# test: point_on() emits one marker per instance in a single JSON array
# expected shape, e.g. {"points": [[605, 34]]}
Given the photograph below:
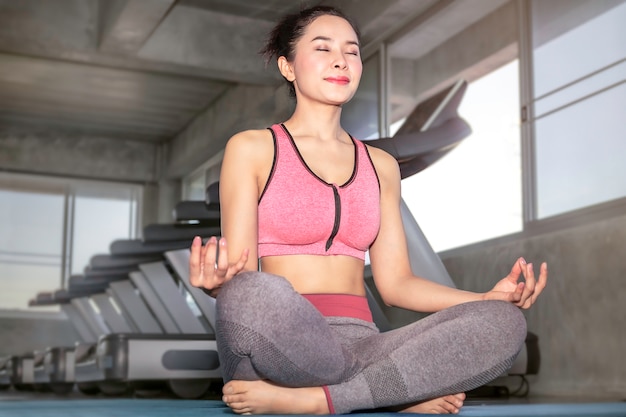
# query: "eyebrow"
{"points": [[327, 39]]}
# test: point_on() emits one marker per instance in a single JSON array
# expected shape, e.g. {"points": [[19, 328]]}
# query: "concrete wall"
{"points": [[78, 156], [240, 108], [580, 317]]}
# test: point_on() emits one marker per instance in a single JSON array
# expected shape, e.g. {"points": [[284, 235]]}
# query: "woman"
{"points": [[308, 200]]}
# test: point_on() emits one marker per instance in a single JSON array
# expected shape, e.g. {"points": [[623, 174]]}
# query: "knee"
{"points": [[249, 290], [498, 324], [505, 323], [252, 284]]}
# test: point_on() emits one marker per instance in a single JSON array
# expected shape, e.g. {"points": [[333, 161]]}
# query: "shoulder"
{"points": [[250, 140], [249, 146], [385, 164]]}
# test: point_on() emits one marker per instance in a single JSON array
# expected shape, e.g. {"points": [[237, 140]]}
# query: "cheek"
{"points": [[304, 67], [355, 63], [357, 70]]}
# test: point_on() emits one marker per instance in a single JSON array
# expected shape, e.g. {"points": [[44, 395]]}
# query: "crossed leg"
{"points": [[417, 368], [264, 397]]}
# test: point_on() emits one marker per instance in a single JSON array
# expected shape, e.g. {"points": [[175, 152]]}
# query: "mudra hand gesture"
{"points": [[521, 293], [209, 268]]}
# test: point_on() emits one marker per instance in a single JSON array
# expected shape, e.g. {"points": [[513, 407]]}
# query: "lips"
{"points": [[338, 80]]}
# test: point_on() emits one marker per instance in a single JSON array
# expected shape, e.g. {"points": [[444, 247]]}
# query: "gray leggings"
{"points": [[266, 330]]}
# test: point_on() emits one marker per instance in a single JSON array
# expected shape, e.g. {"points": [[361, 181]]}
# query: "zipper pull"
{"points": [[329, 242]]}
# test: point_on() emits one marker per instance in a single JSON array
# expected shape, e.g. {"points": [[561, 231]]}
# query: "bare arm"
{"points": [[239, 193], [243, 166], [392, 271]]}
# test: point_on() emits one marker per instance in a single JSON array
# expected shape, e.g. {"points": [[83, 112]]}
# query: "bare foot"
{"points": [[264, 397], [449, 404]]}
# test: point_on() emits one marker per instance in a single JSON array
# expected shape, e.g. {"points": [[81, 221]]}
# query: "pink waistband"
{"points": [[341, 305]]}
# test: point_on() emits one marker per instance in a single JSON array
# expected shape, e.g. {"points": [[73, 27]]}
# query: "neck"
{"points": [[321, 121]]}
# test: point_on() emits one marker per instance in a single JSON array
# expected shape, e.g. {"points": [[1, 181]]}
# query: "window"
{"points": [[51, 227], [474, 192], [195, 184], [31, 244], [579, 77], [101, 214]]}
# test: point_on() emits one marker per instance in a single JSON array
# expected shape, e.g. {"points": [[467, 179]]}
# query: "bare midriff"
{"points": [[314, 274]]}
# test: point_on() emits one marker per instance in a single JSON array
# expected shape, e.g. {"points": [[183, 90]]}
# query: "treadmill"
{"points": [[185, 358], [28, 371], [116, 278], [91, 311], [165, 314]]}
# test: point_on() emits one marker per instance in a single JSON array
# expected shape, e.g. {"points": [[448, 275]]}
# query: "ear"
{"points": [[286, 69]]}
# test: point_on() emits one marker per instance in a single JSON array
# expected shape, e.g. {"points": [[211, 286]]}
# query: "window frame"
{"points": [[70, 189], [531, 225], [208, 172]]}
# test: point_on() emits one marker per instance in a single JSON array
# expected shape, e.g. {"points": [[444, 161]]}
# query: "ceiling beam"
{"points": [[125, 25]]}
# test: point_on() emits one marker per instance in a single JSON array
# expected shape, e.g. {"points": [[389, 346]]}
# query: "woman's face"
{"points": [[327, 64]]}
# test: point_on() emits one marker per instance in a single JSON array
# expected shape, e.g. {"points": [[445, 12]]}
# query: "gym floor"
{"points": [[30, 404]]}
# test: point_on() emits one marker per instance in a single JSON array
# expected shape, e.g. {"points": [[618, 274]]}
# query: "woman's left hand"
{"points": [[522, 294]]}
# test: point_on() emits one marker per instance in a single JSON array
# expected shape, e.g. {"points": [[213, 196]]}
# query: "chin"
{"points": [[339, 101]]}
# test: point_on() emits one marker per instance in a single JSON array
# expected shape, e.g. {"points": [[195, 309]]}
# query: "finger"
{"points": [[516, 296], [209, 255], [529, 281], [222, 259], [542, 281], [207, 264], [523, 297], [241, 263], [517, 270], [194, 261], [540, 285]]}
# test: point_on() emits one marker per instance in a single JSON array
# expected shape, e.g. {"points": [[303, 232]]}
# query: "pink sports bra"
{"points": [[301, 214]]}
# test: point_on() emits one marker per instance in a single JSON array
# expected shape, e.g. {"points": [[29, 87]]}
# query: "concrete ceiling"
{"points": [[143, 69]]}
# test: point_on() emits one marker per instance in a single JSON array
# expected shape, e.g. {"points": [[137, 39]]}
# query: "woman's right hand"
{"points": [[210, 269]]}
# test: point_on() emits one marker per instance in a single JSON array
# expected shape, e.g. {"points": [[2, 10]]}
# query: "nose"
{"points": [[339, 61]]}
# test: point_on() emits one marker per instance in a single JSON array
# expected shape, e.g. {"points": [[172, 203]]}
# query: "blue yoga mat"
{"points": [[200, 408]]}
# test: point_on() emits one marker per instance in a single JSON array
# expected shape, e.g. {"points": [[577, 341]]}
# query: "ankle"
{"points": [[319, 403]]}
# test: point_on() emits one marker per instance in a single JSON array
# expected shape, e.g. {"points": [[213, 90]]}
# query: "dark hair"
{"points": [[283, 38]]}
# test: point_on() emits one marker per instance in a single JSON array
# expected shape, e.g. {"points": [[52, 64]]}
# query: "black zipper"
{"points": [[329, 242]]}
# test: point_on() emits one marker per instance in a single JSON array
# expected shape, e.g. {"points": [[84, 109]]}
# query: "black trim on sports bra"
{"points": [[373, 166], [354, 168], [271, 174]]}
